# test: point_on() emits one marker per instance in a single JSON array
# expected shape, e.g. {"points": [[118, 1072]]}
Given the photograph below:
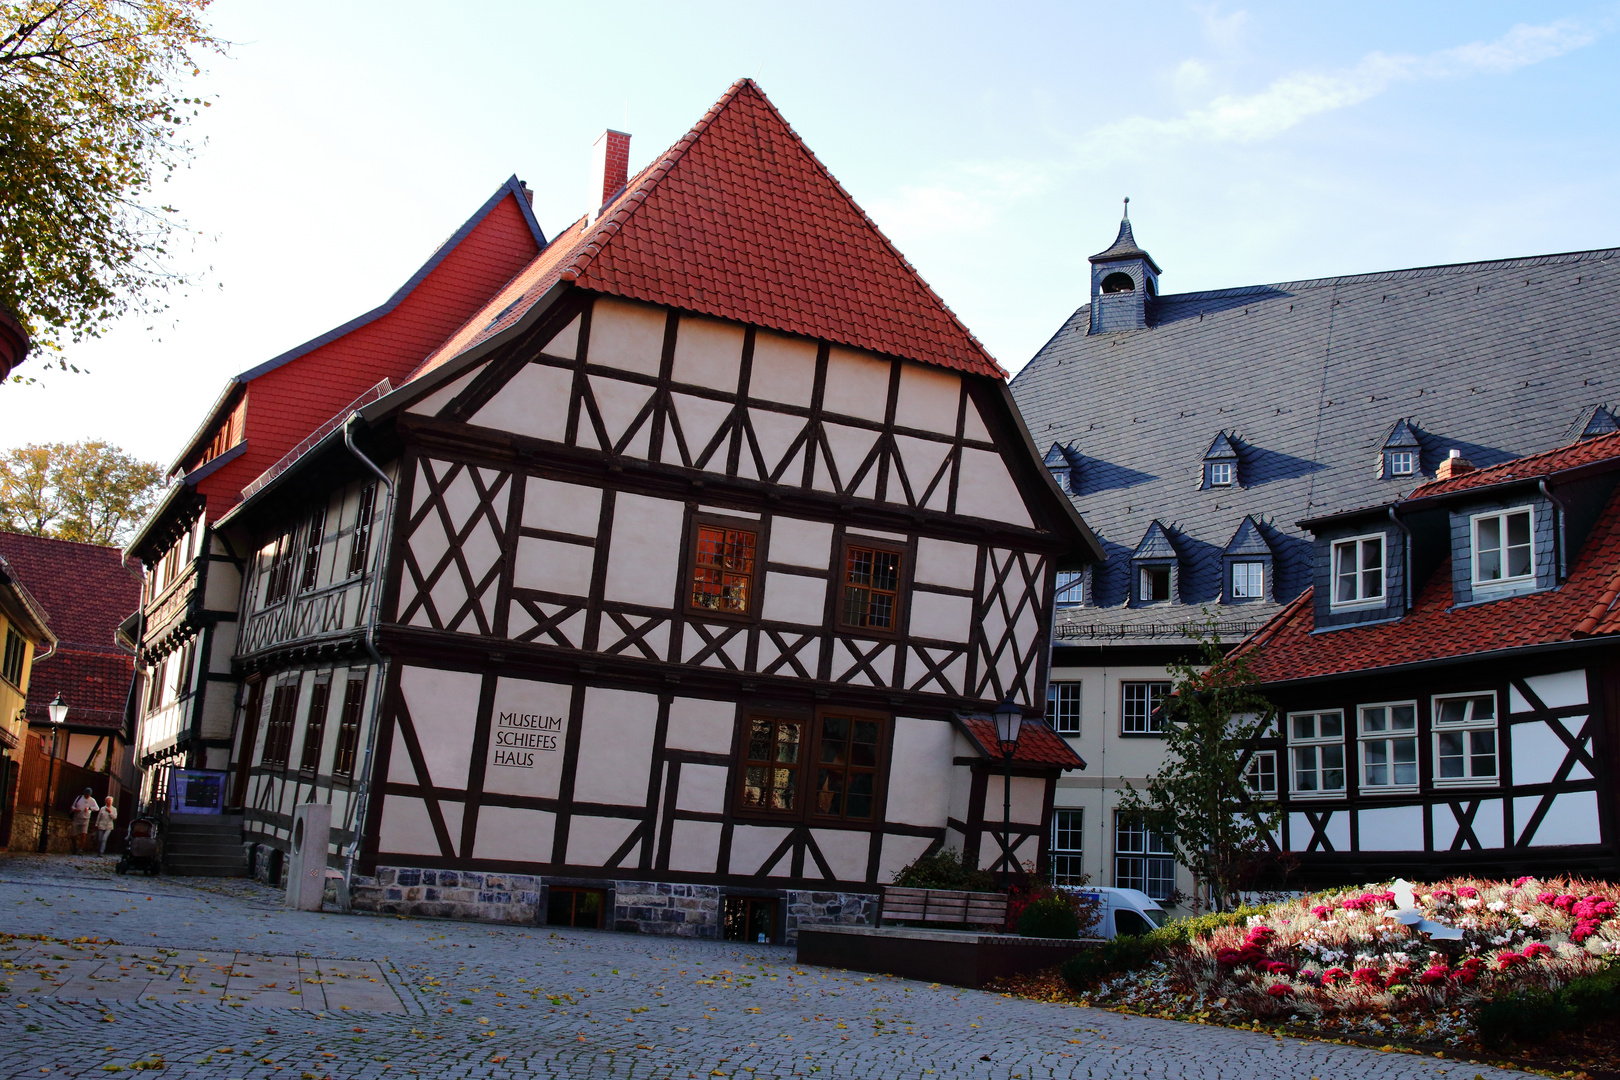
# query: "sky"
{"points": [[992, 143]]}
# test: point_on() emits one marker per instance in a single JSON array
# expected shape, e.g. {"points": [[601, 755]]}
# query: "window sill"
{"points": [[1317, 796], [1141, 734], [1468, 782], [1491, 593], [1371, 792], [1370, 604]]}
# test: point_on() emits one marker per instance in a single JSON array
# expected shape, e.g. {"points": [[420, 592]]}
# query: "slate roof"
{"points": [[1125, 247], [86, 591], [1586, 605], [740, 220], [1038, 744], [1495, 359], [1156, 544], [1248, 540]]}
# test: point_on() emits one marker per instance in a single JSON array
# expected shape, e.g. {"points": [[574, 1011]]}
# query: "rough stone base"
{"points": [[267, 861], [448, 894], [828, 908], [645, 907]]}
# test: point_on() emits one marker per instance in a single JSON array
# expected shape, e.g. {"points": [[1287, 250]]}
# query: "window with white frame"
{"points": [[1071, 589], [1502, 548], [1260, 775], [1402, 462], [1143, 859], [1316, 753], [1063, 699], [1465, 739], [1068, 832], [1221, 473], [1248, 580], [1139, 711], [1154, 584], [1358, 570], [1388, 738]]}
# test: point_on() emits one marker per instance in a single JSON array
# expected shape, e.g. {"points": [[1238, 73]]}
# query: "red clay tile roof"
{"points": [[94, 685], [1037, 744], [1584, 606], [740, 220], [1531, 466]]}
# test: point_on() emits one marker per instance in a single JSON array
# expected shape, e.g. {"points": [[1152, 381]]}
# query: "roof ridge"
{"points": [[1519, 462], [58, 540], [1260, 637]]}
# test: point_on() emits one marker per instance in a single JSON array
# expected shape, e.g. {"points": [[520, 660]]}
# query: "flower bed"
{"points": [[1337, 962]]}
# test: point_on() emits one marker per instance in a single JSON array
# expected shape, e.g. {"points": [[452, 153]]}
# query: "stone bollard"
{"points": [[306, 873]]}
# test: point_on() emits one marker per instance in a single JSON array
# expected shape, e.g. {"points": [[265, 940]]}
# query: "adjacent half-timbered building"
{"points": [[706, 547], [1448, 689]]}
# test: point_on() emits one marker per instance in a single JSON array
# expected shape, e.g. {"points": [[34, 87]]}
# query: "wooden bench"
{"points": [[943, 906]]}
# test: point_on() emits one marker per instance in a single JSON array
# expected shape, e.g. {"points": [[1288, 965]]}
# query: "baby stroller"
{"points": [[142, 849]]}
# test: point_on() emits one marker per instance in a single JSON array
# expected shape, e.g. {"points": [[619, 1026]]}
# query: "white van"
{"points": [[1123, 911]]}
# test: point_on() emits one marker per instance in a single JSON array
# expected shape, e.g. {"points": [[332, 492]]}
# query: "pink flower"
{"points": [[1397, 974], [1582, 931], [1334, 975], [1366, 976], [1228, 957], [1321, 911], [1546, 897], [1436, 974], [1508, 960], [1592, 909], [1564, 903], [1519, 883], [1279, 967], [1535, 949], [1278, 990], [1467, 890]]}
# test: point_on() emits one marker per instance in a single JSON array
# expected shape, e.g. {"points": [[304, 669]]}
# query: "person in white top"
{"points": [[106, 818], [83, 807]]}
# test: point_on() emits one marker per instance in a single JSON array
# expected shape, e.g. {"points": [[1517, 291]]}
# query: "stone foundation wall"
{"points": [[267, 861], [639, 907]]}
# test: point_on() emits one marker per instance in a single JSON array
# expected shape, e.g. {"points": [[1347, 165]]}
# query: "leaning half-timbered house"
{"points": [[1449, 688], [706, 548]]}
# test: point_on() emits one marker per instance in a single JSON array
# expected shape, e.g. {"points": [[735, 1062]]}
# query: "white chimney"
{"points": [[610, 169]]}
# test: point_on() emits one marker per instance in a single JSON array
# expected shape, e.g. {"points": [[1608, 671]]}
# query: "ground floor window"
{"points": [[1068, 827], [581, 908], [1143, 859], [750, 918]]}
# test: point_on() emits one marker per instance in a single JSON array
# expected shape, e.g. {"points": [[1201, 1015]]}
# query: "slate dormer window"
{"points": [[1070, 591], [1221, 463], [1358, 571], [1248, 580], [1155, 566], [1402, 452], [1503, 554], [1402, 462], [1154, 584], [1247, 563], [1060, 462]]}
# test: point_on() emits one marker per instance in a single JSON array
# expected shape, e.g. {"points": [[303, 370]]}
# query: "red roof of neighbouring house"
{"points": [[1586, 605], [86, 591], [1038, 744], [1586, 452], [740, 220]]}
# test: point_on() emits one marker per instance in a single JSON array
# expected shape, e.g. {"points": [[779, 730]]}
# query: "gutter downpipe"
{"points": [[358, 806], [1406, 559], [1563, 516]]}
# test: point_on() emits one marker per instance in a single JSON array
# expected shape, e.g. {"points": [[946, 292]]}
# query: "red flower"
{"points": [[1564, 903], [1592, 909], [1279, 967], [1519, 883], [1582, 931], [1546, 897], [1436, 974], [1397, 974], [1509, 960], [1278, 990], [1321, 911], [1536, 948], [1334, 975], [1228, 957], [1467, 890], [1259, 935], [1366, 976]]}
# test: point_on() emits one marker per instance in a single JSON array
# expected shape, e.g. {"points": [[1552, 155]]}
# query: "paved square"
{"points": [[217, 979]]}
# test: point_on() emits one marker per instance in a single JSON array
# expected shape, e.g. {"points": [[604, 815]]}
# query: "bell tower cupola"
{"points": [[1124, 283]]}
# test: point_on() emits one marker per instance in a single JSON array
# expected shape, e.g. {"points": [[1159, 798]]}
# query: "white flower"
{"points": [[1469, 901], [1497, 905], [1526, 918], [1400, 958]]}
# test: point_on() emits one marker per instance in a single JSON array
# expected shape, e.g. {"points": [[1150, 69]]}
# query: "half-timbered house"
{"points": [[705, 549], [1448, 689]]}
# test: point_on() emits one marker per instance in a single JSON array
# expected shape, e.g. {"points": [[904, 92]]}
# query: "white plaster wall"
{"points": [[513, 834], [703, 789], [751, 845], [944, 562], [846, 853], [627, 335], [708, 353], [898, 852], [560, 507], [940, 617], [544, 780], [921, 459], [784, 368], [593, 840], [775, 433], [919, 771], [1555, 691], [620, 403], [443, 707], [986, 490], [928, 399], [857, 384], [534, 402], [408, 830], [699, 419], [553, 566], [794, 598], [973, 424], [701, 725], [430, 405], [1538, 751], [850, 447], [694, 846], [1572, 819], [801, 543], [615, 746], [1391, 828], [645, 557], [565, 344]]}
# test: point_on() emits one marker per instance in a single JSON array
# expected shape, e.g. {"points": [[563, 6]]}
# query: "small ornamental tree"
{"points": [[1199, 797], [91, 491]]}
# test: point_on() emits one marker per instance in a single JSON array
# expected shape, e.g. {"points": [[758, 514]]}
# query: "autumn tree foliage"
{"points": [[89, 491], [92, 116]]}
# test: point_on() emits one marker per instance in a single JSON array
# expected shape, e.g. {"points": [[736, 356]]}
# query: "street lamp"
{"points": [[57, 710], [1009, 719]]}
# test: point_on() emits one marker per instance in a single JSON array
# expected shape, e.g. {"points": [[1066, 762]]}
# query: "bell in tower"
{"points": [[1124, 283]]}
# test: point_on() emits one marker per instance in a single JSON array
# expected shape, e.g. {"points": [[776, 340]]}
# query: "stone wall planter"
{"points": [[942, 956]]}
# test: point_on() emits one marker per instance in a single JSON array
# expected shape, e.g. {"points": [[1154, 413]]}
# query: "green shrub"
{"points": [[1127, 953], [1531, 1015], [1594, 996], [944, 870], [1049, 917]]}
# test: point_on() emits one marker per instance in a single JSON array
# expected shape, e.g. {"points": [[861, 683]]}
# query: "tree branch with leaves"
{"points": [[91, 491], [1199, 797]]}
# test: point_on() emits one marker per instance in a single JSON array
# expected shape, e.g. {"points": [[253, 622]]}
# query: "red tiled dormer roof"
{"points": [[740, 220], [85, 589], [1286, 649], [1573, 456], [1038, 744]]}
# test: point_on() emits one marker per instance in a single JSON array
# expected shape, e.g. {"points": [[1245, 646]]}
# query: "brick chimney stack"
{"points": [[1454, 465], [611, 169]]}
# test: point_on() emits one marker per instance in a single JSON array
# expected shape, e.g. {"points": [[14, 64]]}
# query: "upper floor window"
{"points": [[1389, 746], [723, 562], [771, 764], [279, 577], [348, 740], [1140, 713], [1064, 701], [838, 756], [315, 725], [1153, 585], [1071, 589], [1316, 753], [1144, 860], [278, 730], [1502, 547], [1260, 775], [1402, 462], [1358, 570], [871, 593], [1221, 473], [1248, 580], [1068, 835], [360, 544], [16, 648], [313, 536], [1465, 739]]}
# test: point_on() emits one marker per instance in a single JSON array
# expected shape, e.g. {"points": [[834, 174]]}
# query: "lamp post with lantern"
{"points": [[1009, 719], [57, 710]]}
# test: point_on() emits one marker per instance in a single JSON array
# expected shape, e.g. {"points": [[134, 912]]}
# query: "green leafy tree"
{"points": [[90, 118], [89, 491], [1199, 796]]}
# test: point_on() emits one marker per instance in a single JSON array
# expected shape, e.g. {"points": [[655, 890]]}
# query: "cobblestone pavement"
{"points": [[472, 1000]]}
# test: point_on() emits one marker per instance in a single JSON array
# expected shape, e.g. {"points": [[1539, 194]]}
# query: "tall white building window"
{"points": [[1143, 859], [1140, 701], [1316, 754], [1248, 580], [1465, 740], [1502, 548], [1068, 833], [1388, 740], [1221, 473], [1260, 775], [1064, 711], [1358, 571]]}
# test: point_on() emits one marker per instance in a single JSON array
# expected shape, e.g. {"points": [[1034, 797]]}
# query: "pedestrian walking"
{"points": [[83, 807], [106, 818]]}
